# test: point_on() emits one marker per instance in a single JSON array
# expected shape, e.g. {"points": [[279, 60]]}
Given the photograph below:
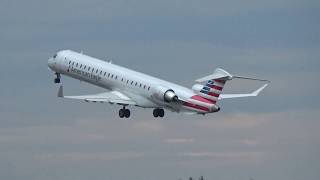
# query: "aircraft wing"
{"points": [[254, 93], [109, 97]]}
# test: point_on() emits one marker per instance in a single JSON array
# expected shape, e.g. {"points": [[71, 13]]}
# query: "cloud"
{"points": [[226, 155], [230, 140], [179, 141], [248, 142], [205, 159], [80, 156], [235, 120], [148, 126]]}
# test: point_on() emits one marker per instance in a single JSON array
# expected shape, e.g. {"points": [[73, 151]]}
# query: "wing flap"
{"points": [[109, 97]]}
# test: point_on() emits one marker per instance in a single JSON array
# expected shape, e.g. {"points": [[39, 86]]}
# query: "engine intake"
{"points": [[165, 94], [170, 96]]}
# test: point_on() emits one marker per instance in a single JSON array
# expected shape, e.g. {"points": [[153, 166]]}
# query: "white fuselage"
{"points": [[138, 86]]}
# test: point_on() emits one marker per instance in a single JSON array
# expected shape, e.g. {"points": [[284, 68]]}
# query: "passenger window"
{"points": [[116, 77], [144, 87], [122, 79], [100, 72], [109, 75], [92, 69], [131, 82], [97, 71], [140, 84], [105, 73], [127, 81], [112, 76], [148, 88], [88, 68], [84, 67], [69, 62], [81, 66], [77, 65], [72, 63], [136, 84]]}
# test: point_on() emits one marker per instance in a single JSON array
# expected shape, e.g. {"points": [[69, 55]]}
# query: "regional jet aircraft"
{"points": [[127, 87]]}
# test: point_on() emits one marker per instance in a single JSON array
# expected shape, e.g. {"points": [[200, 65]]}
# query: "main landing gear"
{"points": [[158, 112], [124, 113], [57, 80]]}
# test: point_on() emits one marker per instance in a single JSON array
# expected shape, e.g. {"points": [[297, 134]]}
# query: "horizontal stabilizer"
{"points": [[224, 75], [249, 78], [218, 74], [254, 93]]}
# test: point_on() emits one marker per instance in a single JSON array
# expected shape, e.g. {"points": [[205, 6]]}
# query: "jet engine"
{"points": [[164, 94]]}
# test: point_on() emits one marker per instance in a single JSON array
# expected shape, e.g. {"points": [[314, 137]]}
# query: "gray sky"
{"points": [[273, 136]]}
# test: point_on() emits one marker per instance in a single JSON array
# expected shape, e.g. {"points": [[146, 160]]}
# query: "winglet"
{"points": [[60, 92], [256, 92]]}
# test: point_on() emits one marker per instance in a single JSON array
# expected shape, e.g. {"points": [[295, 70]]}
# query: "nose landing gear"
{"points": [[57, 80], [124, 113]]}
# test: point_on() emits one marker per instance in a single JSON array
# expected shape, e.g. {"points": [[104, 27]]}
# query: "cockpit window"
{"points": [[54, 56]]}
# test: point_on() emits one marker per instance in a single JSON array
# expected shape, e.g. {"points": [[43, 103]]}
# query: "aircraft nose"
{"points": [[51, 63]]}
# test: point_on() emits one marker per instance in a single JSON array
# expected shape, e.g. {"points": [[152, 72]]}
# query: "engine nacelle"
{"points": [[164, 94]]}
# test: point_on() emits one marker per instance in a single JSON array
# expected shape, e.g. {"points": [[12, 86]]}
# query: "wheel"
{"points": [[57, 80], [155, 113], [161, 112], [127, 113], [121, 113]]}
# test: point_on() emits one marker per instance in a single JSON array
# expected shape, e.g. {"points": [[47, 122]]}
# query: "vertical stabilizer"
{"points": [[212, 89], [214, 84]]}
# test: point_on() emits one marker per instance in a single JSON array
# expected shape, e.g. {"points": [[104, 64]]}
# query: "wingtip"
{"points": [[60, 92], [256, 92]]}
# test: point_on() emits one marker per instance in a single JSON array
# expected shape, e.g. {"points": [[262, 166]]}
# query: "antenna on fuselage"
{"points": [[109, 60]]}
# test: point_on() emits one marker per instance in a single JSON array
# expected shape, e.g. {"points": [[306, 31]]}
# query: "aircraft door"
{"points": [[64, 64]]}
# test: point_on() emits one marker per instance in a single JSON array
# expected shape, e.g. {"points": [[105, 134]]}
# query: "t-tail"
{"points": [[212, 89]]}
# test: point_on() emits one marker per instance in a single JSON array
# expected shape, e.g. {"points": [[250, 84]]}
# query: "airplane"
{"points": [[127, 87]]}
